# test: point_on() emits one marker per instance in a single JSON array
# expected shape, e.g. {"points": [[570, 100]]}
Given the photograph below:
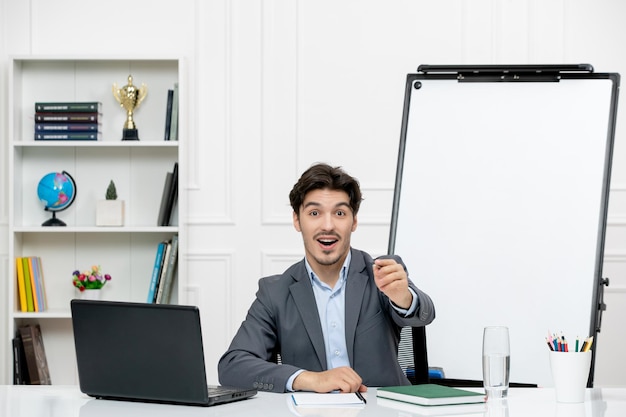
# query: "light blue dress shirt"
{"points": [[331, 309]]}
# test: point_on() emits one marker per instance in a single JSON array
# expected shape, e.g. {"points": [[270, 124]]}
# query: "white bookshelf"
{"points": [[138, 169]]}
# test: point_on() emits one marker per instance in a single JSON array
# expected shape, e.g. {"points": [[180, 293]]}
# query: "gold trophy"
{"points": [[130, 97]]}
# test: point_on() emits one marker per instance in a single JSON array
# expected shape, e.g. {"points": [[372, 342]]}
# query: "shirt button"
{"points": [[337, 352]]}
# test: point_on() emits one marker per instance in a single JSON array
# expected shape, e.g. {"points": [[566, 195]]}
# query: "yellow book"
{"points": [[19, 271], [29, 290]]}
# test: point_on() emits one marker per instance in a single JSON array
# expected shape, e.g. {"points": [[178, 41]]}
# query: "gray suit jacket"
{"points": [[284, 320]]}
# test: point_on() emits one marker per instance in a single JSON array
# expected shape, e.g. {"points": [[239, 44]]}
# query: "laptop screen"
{"points": [[139, 351]]}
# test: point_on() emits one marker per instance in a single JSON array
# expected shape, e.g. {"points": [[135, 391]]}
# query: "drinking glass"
{"points": [[496, 361]]}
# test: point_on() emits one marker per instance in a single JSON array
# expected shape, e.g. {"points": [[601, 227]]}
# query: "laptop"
{"points": [[144, 352]]}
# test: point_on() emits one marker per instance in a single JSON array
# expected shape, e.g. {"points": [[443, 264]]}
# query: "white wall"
{"points": [[279, 84]]}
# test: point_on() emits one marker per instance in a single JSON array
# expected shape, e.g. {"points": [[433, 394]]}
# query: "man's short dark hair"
{"points": [[323, 176]]}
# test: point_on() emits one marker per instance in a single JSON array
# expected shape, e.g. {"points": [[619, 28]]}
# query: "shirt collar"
{"points": [[343, 275]]}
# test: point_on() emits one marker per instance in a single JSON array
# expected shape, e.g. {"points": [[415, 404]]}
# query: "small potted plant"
{"points": [[90, 282], [110, 212]]}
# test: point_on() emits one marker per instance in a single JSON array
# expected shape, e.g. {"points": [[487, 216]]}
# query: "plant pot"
{"points": [[110, 213], [92, 294]]}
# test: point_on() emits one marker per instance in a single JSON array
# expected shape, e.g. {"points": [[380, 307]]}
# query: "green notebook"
{"points": [[430, 394]]}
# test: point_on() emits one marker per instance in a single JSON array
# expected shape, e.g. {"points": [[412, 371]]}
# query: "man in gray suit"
{"points": [[334, 318]]}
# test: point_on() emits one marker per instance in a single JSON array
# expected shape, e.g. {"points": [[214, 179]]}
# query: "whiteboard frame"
{"points": [[493, 79]]}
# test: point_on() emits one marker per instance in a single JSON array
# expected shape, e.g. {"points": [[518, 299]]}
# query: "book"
{"points": [[154, 281], [67, 127], [21, 287], [20, 370], [35, 266], [165, 286], [35, 355], [430, 394], [41, 280], [30, 306], [169, 197], [467, 410], [69, 106], [68, 136], [172, 199], [41, 117], [33, 284], [164, 196], [174, 118], [168, 114], [158, 294]]}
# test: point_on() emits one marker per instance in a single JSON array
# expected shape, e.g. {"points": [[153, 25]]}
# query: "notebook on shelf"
{"points": [[144, 352]]}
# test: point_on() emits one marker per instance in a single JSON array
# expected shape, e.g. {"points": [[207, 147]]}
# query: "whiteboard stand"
{"points": [[500, 207]]}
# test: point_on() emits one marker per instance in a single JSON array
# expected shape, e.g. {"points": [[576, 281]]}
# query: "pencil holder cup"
{"points": [[570, 371]]}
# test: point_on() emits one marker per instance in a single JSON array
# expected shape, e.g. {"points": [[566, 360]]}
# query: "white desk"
{"points": [[68, 401]]}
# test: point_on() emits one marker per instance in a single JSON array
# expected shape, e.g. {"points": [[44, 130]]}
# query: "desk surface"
{"points": [[68, 401]]}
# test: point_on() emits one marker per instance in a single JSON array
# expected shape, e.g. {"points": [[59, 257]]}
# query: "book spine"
{"points": [[26, 334], [19, 270], [171, 271], [68, 136], [35, 267], [33, 284], [30, 307], [40, 355], [161, 221], [68, 117], [67, 127], [154, 281], [174, 121], [20, 361], [163, 273], [168, 114], [18, 377], [171, 197], [73, 106], [44, 298]]}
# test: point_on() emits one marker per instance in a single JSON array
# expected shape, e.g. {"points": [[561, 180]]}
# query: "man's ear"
{"points": [[296, 222]]}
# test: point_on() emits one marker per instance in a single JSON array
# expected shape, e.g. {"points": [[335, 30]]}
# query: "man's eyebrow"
{"points": [[316, 204]]}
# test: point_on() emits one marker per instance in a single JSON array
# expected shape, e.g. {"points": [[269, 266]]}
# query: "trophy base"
{"points": [[130, 134]]}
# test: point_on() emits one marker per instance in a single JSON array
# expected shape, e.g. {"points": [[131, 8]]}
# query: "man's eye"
{"points": [[341, 213], [314, 213]]}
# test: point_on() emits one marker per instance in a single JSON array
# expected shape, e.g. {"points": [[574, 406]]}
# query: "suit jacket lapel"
{"points": [[305, 302], [355, 287]]}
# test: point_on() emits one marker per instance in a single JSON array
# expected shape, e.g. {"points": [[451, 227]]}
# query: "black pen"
{"points": [[361, 397]]}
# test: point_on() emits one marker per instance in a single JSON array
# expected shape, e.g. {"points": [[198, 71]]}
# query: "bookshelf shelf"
{"points": [[95, 229], [138, 169], [96, 144]]}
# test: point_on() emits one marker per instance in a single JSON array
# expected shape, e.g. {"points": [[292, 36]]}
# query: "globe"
{"points": [[56, 191]]}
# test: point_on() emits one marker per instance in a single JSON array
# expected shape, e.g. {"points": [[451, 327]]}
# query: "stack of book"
{"points": [[31, 290], [30, 365], [163, 272], [68, 121]]}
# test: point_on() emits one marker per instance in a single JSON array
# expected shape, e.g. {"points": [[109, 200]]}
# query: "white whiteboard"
{"points": [[500, 212]]}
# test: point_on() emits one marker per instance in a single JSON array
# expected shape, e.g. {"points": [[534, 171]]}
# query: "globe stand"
{"points": [[53, 221]]}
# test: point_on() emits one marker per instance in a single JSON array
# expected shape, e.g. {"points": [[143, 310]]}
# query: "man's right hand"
{"points": [[343, 379]]}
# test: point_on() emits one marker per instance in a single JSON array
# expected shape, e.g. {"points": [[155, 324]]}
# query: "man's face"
{"points": [[326, 223]]}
